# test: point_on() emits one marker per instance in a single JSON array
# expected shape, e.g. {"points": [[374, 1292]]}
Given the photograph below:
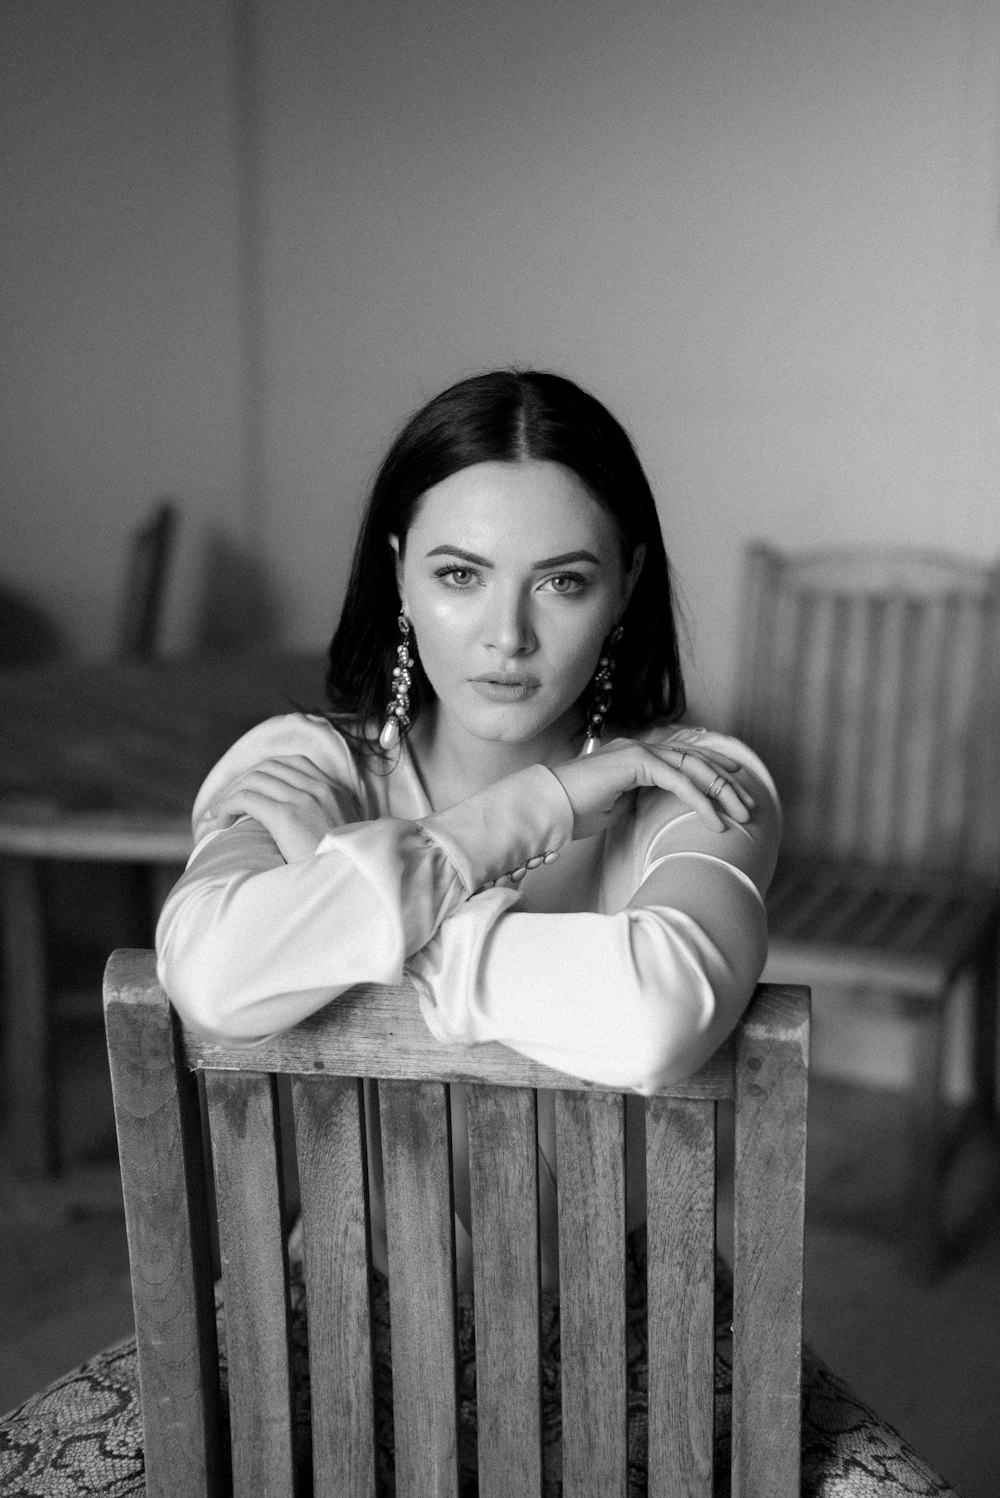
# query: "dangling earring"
{"points": [[398, 710], [601, 694]]}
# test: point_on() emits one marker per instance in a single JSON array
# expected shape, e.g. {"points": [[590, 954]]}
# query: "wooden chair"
{"points": [[375, 1037], [869, 682], [140, 616]]}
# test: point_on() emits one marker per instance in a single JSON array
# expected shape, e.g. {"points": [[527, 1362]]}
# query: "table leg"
{"points": [[28, 1084]]}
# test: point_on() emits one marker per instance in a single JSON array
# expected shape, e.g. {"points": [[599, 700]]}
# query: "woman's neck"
{"points": [[454, 765]]}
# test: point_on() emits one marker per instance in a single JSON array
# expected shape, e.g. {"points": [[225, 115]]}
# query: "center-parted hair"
{"points": [[507, 416]]}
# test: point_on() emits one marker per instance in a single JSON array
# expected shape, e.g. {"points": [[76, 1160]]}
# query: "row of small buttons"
{"points": [[507, 881]]}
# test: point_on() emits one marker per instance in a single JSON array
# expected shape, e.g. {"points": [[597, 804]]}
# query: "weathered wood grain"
{"points": [[503, 1164], [680, 1218], [420, 1229], [373, 1031], [243, 1110], [157, 1109], [769, 1209], [166, 1215], [330, 1148], [590, 1144]]}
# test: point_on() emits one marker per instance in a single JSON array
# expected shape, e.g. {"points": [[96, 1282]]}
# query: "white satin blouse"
{"points": [[623, 958]]}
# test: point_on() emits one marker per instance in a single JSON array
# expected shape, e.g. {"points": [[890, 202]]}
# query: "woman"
{"points": [[510, 536], [523, 830]]}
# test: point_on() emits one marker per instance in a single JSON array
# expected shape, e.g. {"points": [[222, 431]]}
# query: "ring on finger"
{"points": [[683, 754], [716, 788]]}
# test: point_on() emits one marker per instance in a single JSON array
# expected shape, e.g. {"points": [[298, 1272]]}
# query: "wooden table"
{"points": [[100, 762]]}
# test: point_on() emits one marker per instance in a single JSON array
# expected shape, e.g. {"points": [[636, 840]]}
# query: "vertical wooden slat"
{"points": [[420, 1233], [590, 1145], [968, 700], [163, 1184], [680, 1190], [906, 796], [928, 709], [768, 1225], [975, 716], [775, 739], [810, 621], [982, 843], [330, 1138], [883, 744], [846, 730], [243, 1109], [957, 727], [503, 1164]]}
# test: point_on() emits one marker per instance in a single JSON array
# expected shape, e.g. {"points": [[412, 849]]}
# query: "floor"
{"points": [[925, 1357]]}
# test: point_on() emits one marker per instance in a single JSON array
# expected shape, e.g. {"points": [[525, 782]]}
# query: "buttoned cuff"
{"points": [[496, 836]]}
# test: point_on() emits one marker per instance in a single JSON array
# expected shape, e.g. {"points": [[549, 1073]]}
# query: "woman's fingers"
{"points": [[290, 798], [595, 783], [678, 745], [669, 779], [282, 782], [696, 779], [713, 775]]}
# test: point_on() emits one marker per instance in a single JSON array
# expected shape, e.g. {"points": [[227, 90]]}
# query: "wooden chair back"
{"points": [[870, 685], [377, 1034], [141, 609]]}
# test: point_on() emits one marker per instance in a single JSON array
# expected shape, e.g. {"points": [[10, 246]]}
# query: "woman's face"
{"points": [[512, 577]]}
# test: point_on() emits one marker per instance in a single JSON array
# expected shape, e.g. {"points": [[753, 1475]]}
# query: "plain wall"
{"points": [[242, 239], [765, 232], [121, 375]]}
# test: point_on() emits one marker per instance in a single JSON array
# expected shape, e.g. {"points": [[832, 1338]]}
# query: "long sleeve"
{"points": [[248, 944], [635, 997]]}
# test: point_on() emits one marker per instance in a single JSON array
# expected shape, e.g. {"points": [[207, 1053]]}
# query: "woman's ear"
{"points": [[394, 543], [632, 575]]}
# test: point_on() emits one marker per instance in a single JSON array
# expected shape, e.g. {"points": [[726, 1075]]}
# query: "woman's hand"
{"points": [[701, 777], [290, 797]]}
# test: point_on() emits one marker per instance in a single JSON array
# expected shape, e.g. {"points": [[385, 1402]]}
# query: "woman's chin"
{"points": [[522, 725]]}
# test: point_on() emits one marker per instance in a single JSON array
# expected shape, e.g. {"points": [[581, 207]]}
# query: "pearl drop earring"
{"points": [[398, 710], [601, 693]]}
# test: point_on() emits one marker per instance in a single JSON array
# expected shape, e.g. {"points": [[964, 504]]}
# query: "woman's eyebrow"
{"points": [[560, 561], [458, 551], [567, 556]]}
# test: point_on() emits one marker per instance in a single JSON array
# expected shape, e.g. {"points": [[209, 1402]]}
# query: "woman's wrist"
{"points": [[499, 833]]}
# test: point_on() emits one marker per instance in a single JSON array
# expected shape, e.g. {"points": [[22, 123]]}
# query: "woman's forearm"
{"points": [[634, 999], [248, 944]]}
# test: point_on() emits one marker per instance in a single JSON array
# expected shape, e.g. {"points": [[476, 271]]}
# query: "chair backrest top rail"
{"points": [[909, 572], [378, 1032]]}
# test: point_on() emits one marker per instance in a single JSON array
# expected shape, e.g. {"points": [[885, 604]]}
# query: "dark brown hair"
{"points": [[506, 416]]}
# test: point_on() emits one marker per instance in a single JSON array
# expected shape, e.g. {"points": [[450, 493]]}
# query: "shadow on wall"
{"points": [[28, 637], [237, 607]]}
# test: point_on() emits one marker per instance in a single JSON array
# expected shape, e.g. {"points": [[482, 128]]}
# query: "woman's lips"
{"points": [[504, 688]]}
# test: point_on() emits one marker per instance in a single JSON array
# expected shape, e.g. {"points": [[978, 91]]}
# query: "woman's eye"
{"points": [[566, 582], [456, 577]]}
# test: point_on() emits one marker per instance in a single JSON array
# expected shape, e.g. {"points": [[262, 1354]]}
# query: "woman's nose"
{"points": [[509, 627]]}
